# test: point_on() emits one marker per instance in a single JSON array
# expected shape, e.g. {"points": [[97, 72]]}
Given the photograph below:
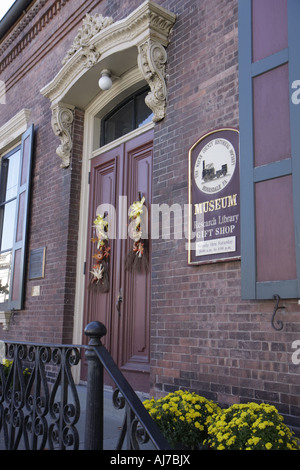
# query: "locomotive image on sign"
{"points": [[209, 172]]}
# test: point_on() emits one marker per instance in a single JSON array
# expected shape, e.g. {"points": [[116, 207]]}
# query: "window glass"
{"points": [[9, 178], [5, 273], [143, 113], [12, 175], [120, 123], [9, 187], [129, 115], [8, 225]]}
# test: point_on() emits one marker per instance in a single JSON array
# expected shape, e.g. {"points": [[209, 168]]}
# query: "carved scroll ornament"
{"points": [[151, 61], [62, 123]]}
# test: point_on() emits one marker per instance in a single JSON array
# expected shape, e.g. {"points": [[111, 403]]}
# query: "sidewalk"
{"points": [[113, 419]]}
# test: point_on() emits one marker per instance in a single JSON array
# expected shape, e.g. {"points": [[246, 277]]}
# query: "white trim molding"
{"points": [[11, 132], [138, 40]]}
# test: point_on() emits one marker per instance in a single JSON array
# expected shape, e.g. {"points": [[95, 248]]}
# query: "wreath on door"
{"points": [[137, 257], [100, 270]]}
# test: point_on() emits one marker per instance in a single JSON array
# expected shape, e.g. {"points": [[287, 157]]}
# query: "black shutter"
{"points": [[269, 63]]}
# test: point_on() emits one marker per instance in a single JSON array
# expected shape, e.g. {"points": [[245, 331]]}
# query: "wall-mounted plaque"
{"points": [[214, 198], [37, 263]]}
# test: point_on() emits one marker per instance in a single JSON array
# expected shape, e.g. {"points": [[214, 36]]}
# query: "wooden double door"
{"points": [[117, 179]]}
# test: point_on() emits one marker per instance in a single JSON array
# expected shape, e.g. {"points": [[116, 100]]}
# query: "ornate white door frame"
{"points": [[138, 40]]}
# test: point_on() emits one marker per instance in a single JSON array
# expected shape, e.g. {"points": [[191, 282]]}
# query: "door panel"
{"points": [[119, 176], [103, 190], [135, 354]]}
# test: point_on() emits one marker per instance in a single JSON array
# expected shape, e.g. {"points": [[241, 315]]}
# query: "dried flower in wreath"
{"points": [[100, 270], [137, 258]]}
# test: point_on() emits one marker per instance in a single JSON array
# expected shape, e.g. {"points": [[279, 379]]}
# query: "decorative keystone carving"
{"points": [[151, 61], [90, 55], [91, 25], [62, 124]]}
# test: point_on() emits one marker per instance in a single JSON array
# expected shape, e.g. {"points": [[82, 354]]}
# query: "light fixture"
{"points": [[105, 81]]}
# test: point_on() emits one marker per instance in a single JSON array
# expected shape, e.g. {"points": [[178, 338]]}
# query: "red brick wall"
{"points": [[203, 336]]}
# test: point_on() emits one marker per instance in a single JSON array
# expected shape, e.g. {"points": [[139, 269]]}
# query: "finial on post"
{"points": [[95, 331]]}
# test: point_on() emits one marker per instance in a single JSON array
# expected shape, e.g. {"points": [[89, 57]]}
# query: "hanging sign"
{"points": [[214, 198]]}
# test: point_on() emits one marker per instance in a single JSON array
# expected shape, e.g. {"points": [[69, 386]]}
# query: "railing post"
{"points": [[94, 400]]}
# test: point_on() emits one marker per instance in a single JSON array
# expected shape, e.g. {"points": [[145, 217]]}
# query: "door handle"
{"points": [[119, 301]]}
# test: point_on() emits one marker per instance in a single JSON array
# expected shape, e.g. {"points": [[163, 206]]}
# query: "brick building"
{"points": [[199, 317]]}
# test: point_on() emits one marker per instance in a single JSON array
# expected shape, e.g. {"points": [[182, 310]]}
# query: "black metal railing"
{"points": [[39, 403]]}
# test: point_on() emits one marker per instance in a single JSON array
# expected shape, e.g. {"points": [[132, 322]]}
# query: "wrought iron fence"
{"points": [[39, 403]]}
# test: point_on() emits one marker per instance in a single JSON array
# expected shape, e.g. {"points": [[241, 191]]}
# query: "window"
{"points": [[8, 199], [129, 115], [269, 148], [15, 172]]}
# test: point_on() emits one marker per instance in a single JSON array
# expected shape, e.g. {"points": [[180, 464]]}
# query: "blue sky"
{"points": [[4, 6]]}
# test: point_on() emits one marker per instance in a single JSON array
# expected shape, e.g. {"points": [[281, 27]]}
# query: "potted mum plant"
{"points": [[182, 417], [250, 426]]}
